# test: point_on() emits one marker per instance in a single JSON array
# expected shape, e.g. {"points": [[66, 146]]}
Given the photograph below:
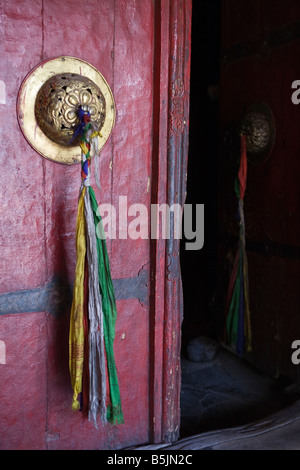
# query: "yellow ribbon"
{"points": [[83, 147], [76, 335], [95, 134]]}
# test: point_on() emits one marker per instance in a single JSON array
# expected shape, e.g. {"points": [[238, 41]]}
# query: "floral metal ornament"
{"points": [[48, 104]]}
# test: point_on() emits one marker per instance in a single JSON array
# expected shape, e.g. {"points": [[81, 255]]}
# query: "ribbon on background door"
{"points": [[238, 322]]}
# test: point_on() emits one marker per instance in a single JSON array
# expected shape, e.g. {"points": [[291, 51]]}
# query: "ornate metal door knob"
{"points": [[259, 127], [48, 103]]}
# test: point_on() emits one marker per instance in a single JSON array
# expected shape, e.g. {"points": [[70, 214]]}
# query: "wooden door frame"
{"points": [[172, 47]]}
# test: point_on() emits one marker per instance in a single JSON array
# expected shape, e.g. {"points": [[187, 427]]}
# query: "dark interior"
{"points": [[199, 268], [219, 388]]}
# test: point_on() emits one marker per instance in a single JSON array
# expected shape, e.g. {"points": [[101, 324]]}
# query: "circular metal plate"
{"points": [[29, 90]]}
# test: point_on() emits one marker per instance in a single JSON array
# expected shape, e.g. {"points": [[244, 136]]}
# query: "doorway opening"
{"points": [[219, 389]]}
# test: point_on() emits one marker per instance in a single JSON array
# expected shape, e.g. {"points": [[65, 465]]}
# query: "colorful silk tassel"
{"points": [[238, 324], [93, 312]]}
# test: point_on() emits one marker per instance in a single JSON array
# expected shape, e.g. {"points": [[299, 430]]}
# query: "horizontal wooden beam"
{"points": [[262, 46], [56, 296]]}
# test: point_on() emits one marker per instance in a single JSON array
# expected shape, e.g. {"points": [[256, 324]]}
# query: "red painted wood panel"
{"points": [[133, 85], [23, 263], [125, 40], [23, 382]]}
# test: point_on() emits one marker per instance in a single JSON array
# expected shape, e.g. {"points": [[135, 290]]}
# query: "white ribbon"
{"points": [[97, 370]]}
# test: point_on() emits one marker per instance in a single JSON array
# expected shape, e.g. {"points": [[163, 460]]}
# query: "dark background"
{"points": [[199, 268], [245, 53]]}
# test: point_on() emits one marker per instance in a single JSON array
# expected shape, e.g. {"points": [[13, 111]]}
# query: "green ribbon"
{"points": [[232, 320], [114, 410]]}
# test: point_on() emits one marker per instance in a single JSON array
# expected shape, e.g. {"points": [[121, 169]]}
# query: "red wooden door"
{"points": [[260, 62], [142, 49]]}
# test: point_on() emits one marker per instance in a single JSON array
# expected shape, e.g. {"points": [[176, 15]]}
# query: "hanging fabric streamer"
{"points": [[238, 325], [93, 312]]}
